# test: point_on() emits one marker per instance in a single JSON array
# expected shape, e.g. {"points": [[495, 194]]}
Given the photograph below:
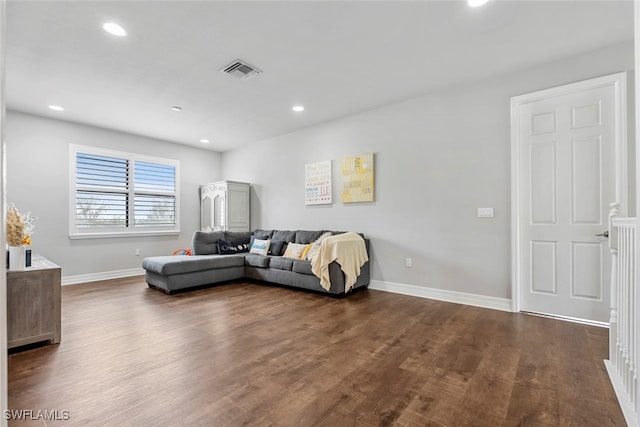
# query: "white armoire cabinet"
{"points": [[224, 206]]}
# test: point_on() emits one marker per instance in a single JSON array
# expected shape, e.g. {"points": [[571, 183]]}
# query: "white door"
{"points": [[566, 165]]}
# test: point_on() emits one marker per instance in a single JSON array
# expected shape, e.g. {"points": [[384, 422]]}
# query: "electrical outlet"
{"points": [[137, 252], [485, 212], [408, 262]]}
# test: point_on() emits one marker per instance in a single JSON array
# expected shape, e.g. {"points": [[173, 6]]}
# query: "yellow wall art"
{"points": [[357, 179]]}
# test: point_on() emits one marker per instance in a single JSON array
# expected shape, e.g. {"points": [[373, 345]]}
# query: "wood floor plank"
{"points": [[486, 399], [532, 406], [252, 354]]}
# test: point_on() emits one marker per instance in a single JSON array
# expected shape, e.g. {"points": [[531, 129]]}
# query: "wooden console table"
{"points": [[33, 303]]}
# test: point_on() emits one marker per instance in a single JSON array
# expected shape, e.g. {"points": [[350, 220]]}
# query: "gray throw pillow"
{"points": [[277, 247]]}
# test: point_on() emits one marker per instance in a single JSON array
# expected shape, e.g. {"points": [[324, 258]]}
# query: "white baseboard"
{"points": [[483, 301], [625, 404], [493, 303], [106, 275], [569, 319]]}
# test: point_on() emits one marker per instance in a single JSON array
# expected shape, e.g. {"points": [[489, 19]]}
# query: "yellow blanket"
{"points": [[346, 249]]}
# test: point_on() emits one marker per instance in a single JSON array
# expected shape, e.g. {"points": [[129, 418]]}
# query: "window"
{"points": [[115, 193]]}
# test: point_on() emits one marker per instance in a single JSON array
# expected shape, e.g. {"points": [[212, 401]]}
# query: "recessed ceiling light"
{"points": [[176, 108], [298, 108], [115, 29], [204, 141], [56, 108], [476, 3]]}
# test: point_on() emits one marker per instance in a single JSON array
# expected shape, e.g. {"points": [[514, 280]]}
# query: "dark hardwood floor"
{"points": [[247, 354]]}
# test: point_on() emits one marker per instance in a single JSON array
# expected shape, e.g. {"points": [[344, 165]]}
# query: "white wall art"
{"points": [[317, 178]]}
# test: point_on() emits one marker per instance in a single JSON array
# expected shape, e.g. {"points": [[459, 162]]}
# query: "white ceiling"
{"points": [[336, 58]]}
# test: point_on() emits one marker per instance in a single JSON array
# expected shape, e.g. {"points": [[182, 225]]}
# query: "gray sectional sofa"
{"points": [[208, 266]]}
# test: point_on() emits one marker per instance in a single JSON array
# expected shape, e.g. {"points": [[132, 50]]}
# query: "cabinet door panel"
{"points": [[33, 306]]}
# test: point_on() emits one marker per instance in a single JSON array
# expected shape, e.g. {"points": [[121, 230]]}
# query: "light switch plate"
{"points": [[485, 212]]}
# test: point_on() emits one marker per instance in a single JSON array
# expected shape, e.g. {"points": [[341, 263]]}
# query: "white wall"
{"points": [[438, 158], [38, 181]]}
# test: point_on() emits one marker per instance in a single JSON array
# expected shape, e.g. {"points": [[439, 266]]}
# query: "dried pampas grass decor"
{"points": [[19, 227]]}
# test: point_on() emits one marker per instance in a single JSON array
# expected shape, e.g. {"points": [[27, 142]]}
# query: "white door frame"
{"points": [[4, 371], [619, 83]]}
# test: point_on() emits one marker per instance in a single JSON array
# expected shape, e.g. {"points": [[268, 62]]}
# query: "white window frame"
{"points": [[132, 230]]}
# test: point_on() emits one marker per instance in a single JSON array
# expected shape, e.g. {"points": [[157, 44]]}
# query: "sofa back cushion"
{"points": [[206, 242], [262, 234], [286, 235], [305, 237], [231, 236]]}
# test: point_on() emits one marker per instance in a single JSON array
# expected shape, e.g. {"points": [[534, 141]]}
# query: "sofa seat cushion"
{"points": [[170, 265], [255, 260], [302, 266], [279, 263]]}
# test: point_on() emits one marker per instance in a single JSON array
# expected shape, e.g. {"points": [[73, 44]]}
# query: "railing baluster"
{"points": [[624, 316], [625, 309], [632, 317], [627, 319], [615, 212]]}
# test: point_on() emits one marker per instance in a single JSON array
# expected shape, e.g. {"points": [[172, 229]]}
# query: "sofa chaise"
{"points": [[208, 266]]}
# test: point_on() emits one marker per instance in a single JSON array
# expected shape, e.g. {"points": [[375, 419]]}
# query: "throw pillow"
{"points": [[260, 247], [306, 251], [315, 247], [276, 247], [233, 247], [295, 251]]}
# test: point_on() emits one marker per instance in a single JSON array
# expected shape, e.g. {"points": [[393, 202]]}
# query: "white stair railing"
{"points": [[623, 321]]}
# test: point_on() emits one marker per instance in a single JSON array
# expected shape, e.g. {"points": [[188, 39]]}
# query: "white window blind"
{"points": [[154, 202], [121, 193]]}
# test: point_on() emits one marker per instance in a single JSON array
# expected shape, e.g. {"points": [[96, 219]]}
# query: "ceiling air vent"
{"points": [[241, 70]]}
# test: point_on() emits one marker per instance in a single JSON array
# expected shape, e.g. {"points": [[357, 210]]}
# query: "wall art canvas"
{"points": [[318, 183], [357, 179]]}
